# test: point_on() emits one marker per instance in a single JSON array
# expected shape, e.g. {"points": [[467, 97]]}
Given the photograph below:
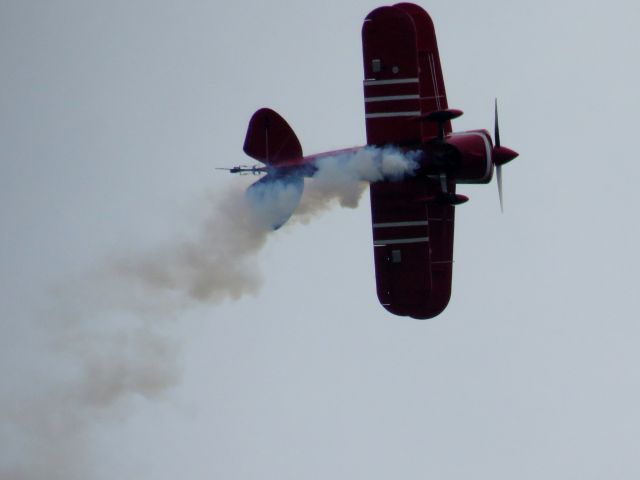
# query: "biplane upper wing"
{"points": [[413, 239], [433, 96]]}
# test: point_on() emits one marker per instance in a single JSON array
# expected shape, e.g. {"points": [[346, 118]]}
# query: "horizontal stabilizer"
{"points": [[271, 140], [273, 199]]}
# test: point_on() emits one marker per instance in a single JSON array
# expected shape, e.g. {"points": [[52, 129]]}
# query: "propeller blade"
{"points": [[496, 127], [499, 179]]}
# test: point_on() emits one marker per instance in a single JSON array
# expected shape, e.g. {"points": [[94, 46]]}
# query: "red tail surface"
{"points": [[271, 140]]}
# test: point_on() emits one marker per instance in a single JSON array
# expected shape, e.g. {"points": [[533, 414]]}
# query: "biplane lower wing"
{"points": [[413, 248], [412, 235]]}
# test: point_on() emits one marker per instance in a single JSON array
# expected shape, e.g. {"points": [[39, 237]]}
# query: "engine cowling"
{"points": [[474, 162]]}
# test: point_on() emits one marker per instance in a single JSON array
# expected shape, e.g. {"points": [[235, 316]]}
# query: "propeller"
{"points": [[499, 181], [501, 155], [496, 136]]}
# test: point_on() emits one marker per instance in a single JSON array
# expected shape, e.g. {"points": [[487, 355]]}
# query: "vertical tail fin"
{"points": [[271, 140]]}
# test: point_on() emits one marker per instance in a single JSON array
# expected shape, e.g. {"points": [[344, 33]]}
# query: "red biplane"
{"points": [[405, 107]]}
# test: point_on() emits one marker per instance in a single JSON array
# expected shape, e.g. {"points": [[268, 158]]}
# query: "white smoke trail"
{"points": [[108, 332], [342, 178], [218, 263]]}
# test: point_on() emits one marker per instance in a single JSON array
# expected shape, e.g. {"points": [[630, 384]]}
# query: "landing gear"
{"points": [[445, 197], [444, 157]]}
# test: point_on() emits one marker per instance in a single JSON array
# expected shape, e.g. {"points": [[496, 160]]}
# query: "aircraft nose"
{"points": [[502, 155]]}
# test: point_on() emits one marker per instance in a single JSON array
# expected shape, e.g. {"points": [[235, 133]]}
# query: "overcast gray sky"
{"points": [[112, 117]]}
